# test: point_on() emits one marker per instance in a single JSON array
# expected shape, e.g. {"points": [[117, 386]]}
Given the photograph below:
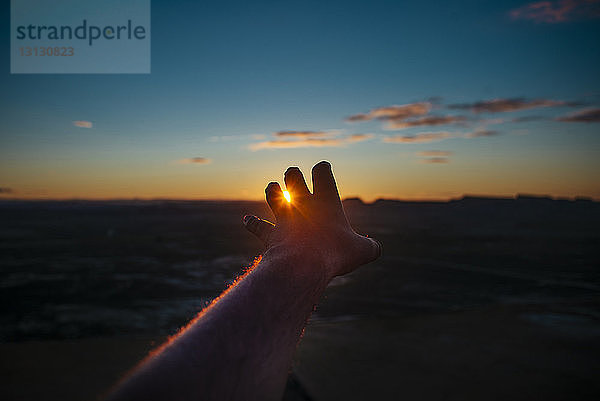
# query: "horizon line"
{"points": [[348, 198]]}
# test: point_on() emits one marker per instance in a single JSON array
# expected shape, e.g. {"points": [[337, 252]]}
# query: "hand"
{"points": [[313, 225]]}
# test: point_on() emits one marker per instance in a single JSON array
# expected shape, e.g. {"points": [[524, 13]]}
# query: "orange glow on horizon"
{"points": [[122, 181]]}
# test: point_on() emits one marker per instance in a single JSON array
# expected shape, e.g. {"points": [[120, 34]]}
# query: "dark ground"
{"points": [[472, 299]]}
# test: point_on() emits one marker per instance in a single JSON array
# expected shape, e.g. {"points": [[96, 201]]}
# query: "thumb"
{"points": [[376, 249], [259, 227], [369, 249]]}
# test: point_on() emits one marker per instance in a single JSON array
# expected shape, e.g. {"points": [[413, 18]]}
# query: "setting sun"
{"points": [[287, 196]]}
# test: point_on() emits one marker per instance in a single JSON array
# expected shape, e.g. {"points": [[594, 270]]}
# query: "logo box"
{"points": [[80, 36]]}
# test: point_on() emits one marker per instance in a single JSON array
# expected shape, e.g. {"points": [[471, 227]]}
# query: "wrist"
{"points": [[301, 263]]}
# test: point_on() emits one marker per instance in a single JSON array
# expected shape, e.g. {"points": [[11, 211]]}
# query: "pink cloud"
{"points": [[299, 141], [82, 124], [481, 133], [196, 160], [393, 113], [302, 143], [582, 116], [301, 134], [359, 137], [434, 153], [435, 160], [406, 116], [427, 120], [552, 12], [418, 138], [506, 105]]}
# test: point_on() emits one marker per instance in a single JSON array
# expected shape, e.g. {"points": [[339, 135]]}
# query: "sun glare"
{"points": [[287, 196]]}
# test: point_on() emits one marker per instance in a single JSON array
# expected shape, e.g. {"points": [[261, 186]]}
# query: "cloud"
{"points": [[434, 156], [301, 143], [426, 137], [5, 190], [302, 134], [505, 105], [407, 115], [196, 160], [393, 113], [481, 133], [359, 137], [582, 116], [427, 120], [418, 138], [434, 153], [82, 124], [552, 12], [435, 160], [527, 119], [308, 141], [356, 118]]}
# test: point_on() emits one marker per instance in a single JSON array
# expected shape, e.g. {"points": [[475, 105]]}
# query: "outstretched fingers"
{"points": [[277, 201], [324, 186], [296, 185], [259, 227]]}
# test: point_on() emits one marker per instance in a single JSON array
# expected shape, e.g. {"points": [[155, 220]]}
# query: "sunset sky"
{"points": [[407, 100]]}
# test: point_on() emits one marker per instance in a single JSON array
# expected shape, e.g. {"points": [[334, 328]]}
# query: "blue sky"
{"points": [[228, 75]]}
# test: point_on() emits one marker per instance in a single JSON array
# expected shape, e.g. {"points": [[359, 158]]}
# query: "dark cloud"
{"points": [[407, 115], [435, 160], [582, 116], [481, 133], [527, 119], [434, 153], [505, 105], [552, 12], [426, 121], [301, 134], [5, 190], [357, 118], [434, 156], [419, 138], [196, 160], [393, 113]]}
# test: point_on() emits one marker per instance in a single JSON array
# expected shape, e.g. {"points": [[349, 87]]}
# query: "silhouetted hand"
{"points": [[313, 225]]}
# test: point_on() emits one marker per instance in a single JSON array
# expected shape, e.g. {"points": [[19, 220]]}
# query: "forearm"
{"points": [[242, 345]]}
